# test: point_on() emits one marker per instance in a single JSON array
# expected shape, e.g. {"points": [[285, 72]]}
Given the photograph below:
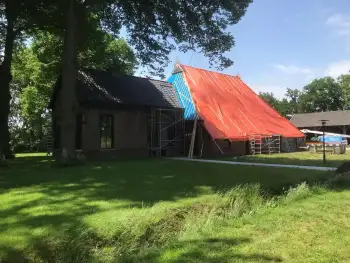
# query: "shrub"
{"points": [[301, 191]]}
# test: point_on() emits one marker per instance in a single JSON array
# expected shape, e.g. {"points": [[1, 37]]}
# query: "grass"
{"points": [[310, 230], [26, 155], [165, 211], [296, 158]]}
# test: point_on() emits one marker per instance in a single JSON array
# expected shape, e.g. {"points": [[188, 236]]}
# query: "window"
{"points": [[106, 131]]}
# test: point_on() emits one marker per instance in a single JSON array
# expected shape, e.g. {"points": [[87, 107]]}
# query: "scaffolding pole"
{"points": [[263, 144], [193, 139], [167, 131]]}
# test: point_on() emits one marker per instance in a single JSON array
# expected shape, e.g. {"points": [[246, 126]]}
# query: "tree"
{"points": [[344, 82], [35, 70], [103, 53], [17, 16], [270, 99], [322, 94], [191, 24], [10, 14], [282, 106], [293, 97]]}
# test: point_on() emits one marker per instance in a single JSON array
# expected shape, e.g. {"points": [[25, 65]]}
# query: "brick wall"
{"points": [[130, 133]]}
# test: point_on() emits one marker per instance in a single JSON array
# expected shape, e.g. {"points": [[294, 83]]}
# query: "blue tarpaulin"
{"points": [[329, 138]]}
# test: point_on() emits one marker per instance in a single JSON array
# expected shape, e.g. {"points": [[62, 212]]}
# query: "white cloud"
{"points": [[292, 69], [340, 24], [338, 68]]}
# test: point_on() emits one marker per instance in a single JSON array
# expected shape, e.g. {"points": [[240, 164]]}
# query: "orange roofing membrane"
{"points": [[230, 109]]}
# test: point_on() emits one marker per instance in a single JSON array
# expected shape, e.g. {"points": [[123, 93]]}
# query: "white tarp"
{"points": [[326, 133]]}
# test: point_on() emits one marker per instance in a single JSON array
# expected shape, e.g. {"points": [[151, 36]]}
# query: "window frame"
{"points": [[108, 132]]}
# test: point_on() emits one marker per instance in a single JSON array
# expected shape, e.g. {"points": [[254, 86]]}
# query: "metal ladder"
{"points": [[49, 143], [252, 145], [256, 145]]}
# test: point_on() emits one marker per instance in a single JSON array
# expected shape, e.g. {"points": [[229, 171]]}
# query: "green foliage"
{"points": [[18, 17], [322, 95], [300, 192], [104, 52], [199, 25], [35, 70], [270, 99], [284, 107], [344, 82], [325, 94], [292, 96]]}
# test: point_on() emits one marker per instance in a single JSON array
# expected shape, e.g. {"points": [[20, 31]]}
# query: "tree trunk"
{"points": [[5, 79], [69, 75]]}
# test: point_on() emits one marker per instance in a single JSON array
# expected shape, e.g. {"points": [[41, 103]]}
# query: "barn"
{"points": [[230, 118], [196, 112]]}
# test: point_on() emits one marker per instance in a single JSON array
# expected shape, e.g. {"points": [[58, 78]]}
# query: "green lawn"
{"points": [[297, 158], [312, 230], [160, 211], [26, 155]]}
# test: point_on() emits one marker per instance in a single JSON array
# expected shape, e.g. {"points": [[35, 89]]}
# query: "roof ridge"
{"points": [[235, 76], [320, 112], [125, 75]]}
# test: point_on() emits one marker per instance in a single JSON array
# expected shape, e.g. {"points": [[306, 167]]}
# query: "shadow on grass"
{"points": [[305, 159], [70, 247], [146, 181], [204, 250], [35, 196], [71, 250]]}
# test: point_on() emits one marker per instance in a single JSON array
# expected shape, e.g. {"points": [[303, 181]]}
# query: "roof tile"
{"points": [[95, 87]]}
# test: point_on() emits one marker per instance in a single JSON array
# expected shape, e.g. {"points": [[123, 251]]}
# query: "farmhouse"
{"points": [[337, 121], [122, 116], [197, 111]]}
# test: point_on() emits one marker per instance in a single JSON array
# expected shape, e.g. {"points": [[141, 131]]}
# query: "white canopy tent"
{"points": [[326, 133]]}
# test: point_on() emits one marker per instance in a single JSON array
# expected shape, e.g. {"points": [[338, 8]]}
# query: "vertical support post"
{"points": [[323, 122], [184, 134], [151, 124], [160, 132], [193, 138], [324, 149]]}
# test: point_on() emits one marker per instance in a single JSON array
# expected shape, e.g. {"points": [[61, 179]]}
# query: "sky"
{"points": [[284, 44]]}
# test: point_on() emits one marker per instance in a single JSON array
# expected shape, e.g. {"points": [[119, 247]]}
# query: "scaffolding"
{"points": [[166, 132], [260, 144], [49, 141], [47, 133]]}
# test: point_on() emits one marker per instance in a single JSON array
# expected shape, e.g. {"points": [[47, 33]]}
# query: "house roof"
{"points": [[335, 118], [227, 106], [103, 89]]}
